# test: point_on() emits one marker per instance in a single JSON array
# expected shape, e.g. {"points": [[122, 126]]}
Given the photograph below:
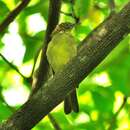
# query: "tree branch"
{"points": [[94, 49], [13, 14], [53, 13], [52, 119], [42, 73], [53, 18], [54, 122]]}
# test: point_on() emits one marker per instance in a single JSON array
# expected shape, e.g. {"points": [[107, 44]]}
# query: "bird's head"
{"points": [[63, 27]]}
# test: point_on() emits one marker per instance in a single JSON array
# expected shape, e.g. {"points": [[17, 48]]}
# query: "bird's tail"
{"points": [[71, 103]]}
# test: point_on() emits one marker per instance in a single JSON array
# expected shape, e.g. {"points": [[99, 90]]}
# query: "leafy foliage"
{"points": [[100, 94]]}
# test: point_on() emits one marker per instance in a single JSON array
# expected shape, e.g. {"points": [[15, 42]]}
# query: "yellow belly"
{"points": [[60, 50]]}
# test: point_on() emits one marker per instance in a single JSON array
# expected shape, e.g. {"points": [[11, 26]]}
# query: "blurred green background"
{"points": [[100, 95]]}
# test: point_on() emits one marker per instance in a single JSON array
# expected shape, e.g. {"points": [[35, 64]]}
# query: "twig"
{"points": [[121, 107], [112, 6], [35, 61], [73, 15], [117, 113], [15, 68], [67, 14], [77, 20], [54, 122], [12, 15]]}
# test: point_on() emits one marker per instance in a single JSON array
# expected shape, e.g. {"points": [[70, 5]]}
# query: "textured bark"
{"points": [[93, 50]]}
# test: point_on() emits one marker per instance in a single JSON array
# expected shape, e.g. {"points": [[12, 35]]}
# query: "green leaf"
{"points": [[4, 112], [3, 10], [33, 44]]}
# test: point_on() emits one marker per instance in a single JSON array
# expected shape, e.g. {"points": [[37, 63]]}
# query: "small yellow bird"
{"points": [[61, 49]]}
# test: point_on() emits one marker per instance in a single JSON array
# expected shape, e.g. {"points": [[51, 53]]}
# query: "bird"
{"points": [[61, 49]]}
